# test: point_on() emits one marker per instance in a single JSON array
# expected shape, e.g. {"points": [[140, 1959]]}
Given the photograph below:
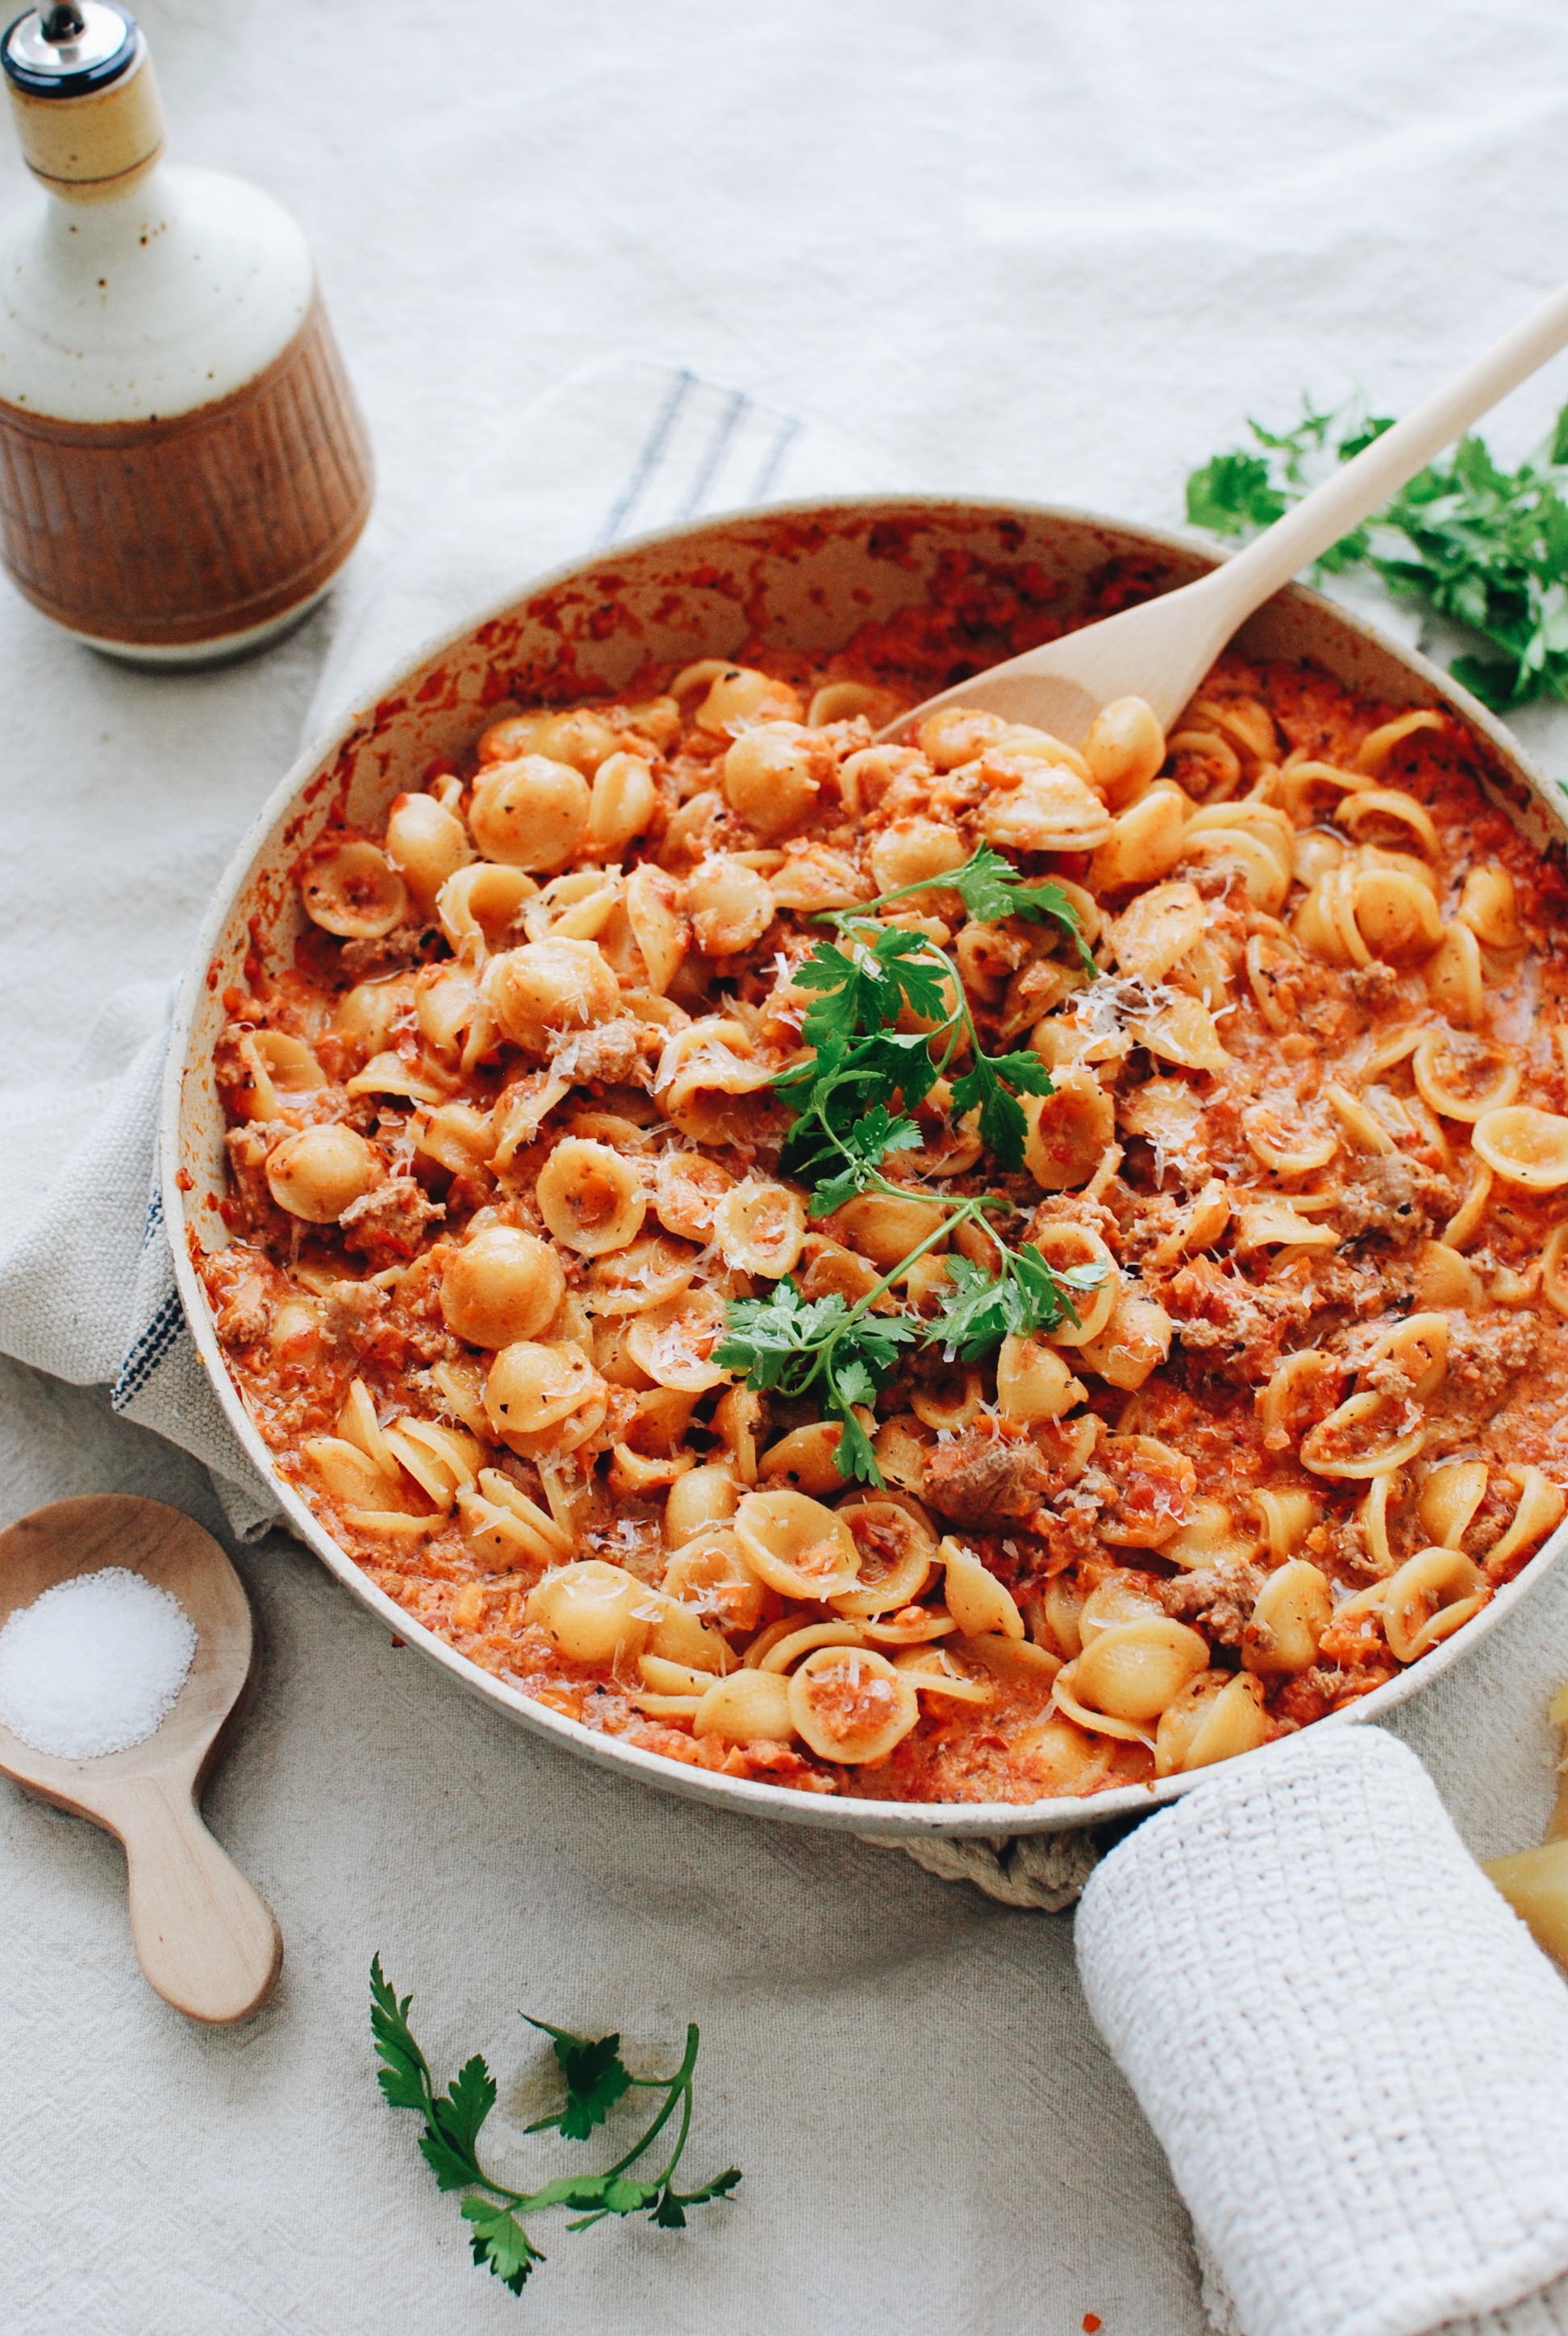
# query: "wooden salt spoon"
{"points": [[1161, 649], [205, 1939]]}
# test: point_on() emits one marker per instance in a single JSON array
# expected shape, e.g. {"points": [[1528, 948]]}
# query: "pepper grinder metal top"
{"points": [[183, 467], [84, 97], [68, 51]]}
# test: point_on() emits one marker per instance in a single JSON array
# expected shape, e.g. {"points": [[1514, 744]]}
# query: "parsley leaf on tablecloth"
{"points": [[596, 2080], [1481, 545], [595, 2077]]}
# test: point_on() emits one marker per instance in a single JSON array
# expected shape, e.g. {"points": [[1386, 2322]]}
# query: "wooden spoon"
{"points": [[204, 1938], [1161, 650]]}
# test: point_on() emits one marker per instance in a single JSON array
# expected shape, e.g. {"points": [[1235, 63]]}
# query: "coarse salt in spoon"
{"points": [[156, 1666], [92, 1666], [1161, 649]]}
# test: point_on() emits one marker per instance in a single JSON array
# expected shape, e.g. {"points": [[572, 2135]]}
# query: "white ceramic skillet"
{"points": [[801, 577]]}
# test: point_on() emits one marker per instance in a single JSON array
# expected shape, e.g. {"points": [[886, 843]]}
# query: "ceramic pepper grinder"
{"points": [[183, 468]]}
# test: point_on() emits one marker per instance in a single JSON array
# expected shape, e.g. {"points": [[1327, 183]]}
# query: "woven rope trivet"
{"points": [[1047, 1871]]}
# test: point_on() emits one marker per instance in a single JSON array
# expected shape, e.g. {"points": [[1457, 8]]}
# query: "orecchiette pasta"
{"points": [[709, 1575], [708, 1074], [1456, 981], [1215, 1717], [1538, 1510], [1387, 816], [768, 778], [533, 1386], [546, 988], [849, 1704], [279, 1068], [1062, 1760], [593, 1612], [320, 1172], [707, 1497], [1068, 1131], [806, 1460], [1072, 1248], [1213, 1535], [898, 1555], [795, 1546], [590, 1198], [512, 1147], [1372, 755], [1292, 1610], [975, 1599], [1431, 1595], [750, 1707], [426, 844], [1525, 1146], [1462, 1078], [533, 813], [1124, 750], [938, 1671], [1134, 1669], [885, 1229], [1145, 843], [1180, 1030], [575, 907], [912, 851], [731, 905], [579, 736], [1489, 907], [1240, 858], [1368, 1434], [1033, 1382], [355, 891], [656, 924], [1157, 929], [760, 1228], [622, 802], [480, 907], [1120, 1598], [500, 1286], [1135, 1343], [674, 1343]]}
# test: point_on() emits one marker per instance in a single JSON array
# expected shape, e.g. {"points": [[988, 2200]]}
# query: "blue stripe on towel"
{"points": [[148, 1352], [736, 407], [648, 460], [773, 461]]}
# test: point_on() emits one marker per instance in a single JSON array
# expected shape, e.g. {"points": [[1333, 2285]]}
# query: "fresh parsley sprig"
{"points": [[853, 1095], [842, 1096], [1022, 1296], [992, 889], [867, 1141], [861, 1063], [596, 2079], [868, 986], [843, 1355], [992, 1085], [1481, 545], [792, 1346]]}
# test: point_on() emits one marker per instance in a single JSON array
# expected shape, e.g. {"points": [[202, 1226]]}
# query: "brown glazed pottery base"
{"points": [[179, 532]]}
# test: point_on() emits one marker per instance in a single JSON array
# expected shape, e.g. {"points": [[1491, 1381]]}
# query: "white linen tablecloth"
{"points": [[1057, 252]]}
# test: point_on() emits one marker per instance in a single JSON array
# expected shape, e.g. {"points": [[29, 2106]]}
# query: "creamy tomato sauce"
{"points": [[504, 1147]]}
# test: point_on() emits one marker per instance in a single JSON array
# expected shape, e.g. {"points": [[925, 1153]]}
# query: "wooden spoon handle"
{"points": [[1348, 495], [205, 1939]]}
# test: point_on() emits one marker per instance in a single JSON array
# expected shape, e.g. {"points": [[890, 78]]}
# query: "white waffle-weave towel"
{"points": [[86, 1285], [1355, 2056]]}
